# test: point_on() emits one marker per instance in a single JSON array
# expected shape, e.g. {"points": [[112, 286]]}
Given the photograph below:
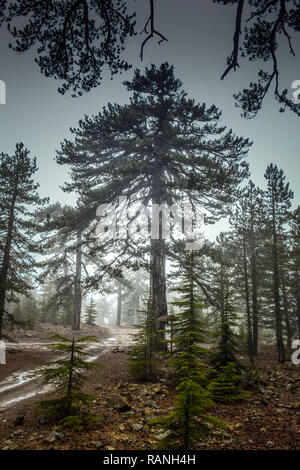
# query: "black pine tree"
{"points": [[91, 313], [188, 423], [160, 148], [18, 225]]}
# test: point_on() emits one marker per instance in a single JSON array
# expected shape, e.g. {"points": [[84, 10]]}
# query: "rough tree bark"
{"points": [[6, 256], [119, 307], [247, 298], [276, 286], [286, 311], [77, 284]]}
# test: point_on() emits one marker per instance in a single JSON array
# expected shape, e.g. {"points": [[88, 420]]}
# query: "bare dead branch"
{"points": [[233, 60]]}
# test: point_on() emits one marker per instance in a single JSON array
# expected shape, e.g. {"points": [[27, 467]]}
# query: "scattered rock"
{"points": [[118, 402], [56, 436], [264, 401], [99, 445], [19, 421], [118, 350], [136, 426], [162, 435]]}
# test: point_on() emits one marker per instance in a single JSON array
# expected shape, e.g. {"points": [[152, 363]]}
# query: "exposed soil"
{"points": [[269, 419]]}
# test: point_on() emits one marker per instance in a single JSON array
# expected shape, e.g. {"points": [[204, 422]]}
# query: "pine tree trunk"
{"points": [[254, 282], [77, 285], [6, 257], [286, 312], [297, 295], [119, 308], [276, 284], [158, 289], [70, 381], [247, 298], [222, 291], [254, 304]]}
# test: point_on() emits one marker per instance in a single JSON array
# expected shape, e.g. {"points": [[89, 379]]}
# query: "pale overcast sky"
{"points": [[200, 39]]}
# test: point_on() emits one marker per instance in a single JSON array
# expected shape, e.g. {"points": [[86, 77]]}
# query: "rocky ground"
{"points": [[269, 419]]}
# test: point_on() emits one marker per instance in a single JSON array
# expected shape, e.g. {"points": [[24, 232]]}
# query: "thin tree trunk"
{"points": [[253, 280], [119, 308], [6, 258], [254, 304], [297, 295], [77, 285], [286, 312], [247, 298], [276, 284], [222, 303], [158, 290], [70, 381]]}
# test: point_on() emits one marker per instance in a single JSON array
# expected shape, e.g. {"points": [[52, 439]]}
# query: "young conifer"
{"points": [[188, 423], [66, 376], [142, 355], [226, 386], [91, 313]]}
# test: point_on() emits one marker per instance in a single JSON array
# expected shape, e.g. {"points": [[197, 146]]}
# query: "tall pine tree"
{"points": [[18, 225], [159, 149]]}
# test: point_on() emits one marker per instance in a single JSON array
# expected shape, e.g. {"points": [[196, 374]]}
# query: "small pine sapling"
{"points": [[91, 313], [188, 423], [66, 376], [226, 386], [227, 338], [142, 355]]}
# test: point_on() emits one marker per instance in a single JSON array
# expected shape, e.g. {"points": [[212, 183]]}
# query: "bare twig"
{"points": [[233, 60], [152, 32]]}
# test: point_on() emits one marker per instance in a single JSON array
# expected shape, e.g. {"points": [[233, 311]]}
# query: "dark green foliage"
{"points": [[91, 313], [66, 376], [188, 423], [142, 355], [160, 148], [226, 387], [251, 377], [18, 226], [80, 422], [228, 339], [277, 202], [76, 40]]}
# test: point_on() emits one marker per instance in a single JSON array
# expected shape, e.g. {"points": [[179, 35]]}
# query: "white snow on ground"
{"points": [[24, 381]]}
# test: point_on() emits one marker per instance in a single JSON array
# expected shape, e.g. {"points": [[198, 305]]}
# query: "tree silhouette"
{"points": [[77, 39]]}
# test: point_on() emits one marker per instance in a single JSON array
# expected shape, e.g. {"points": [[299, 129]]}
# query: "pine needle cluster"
{"points": [[66, 376], [188, 422]]}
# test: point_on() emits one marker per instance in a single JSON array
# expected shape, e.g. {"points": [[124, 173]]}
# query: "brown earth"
{"points": [[269, 419]]}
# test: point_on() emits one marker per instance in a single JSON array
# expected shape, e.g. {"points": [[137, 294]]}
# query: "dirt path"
{"points": [[18, 378]]}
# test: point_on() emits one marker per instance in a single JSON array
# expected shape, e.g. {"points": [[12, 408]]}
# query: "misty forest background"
{"points": [[63, 265]]}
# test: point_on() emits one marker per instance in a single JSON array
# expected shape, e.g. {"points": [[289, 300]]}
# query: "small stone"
{"points": [[264, 401], [136, 427], [19, 421], [56, 436], [162, 435], [99, 445]]}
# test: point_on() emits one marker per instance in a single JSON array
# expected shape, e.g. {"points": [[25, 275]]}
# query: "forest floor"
{"points": [[269, 419]]}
